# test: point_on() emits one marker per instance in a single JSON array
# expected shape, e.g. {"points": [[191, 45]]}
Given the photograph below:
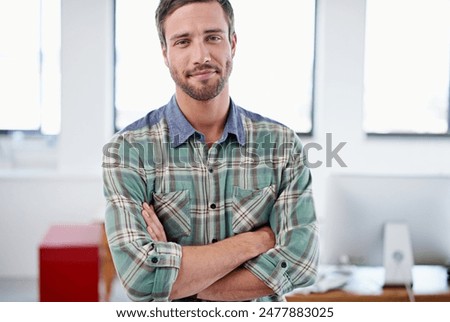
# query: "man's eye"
{"points": [[182, 42], [214, 38]]}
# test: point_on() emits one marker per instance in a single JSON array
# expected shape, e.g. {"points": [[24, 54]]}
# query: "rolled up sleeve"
{"points": [[292, 263], [147, 268]]}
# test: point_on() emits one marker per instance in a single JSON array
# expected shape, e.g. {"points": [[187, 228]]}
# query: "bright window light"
{"points": [[407, 67], [30, 65]]}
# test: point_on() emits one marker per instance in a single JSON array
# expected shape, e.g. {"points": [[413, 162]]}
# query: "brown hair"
{"points": [[167, 7]]}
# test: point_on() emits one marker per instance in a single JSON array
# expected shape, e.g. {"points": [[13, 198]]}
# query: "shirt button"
{"points": [[283, 265], [154, 260], [213, 206], [210, 170]]}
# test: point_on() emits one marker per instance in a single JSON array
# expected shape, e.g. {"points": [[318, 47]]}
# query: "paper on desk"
{"points": [[329, 278]]}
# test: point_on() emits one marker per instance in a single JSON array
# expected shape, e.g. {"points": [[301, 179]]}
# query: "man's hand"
{"points": [[154, 226]]}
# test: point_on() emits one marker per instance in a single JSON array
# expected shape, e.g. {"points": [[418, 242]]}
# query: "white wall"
{"points": [[29, 204], [69, 190]]}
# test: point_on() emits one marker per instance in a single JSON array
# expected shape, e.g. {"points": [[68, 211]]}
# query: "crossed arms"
{"points": [[212, 271]]}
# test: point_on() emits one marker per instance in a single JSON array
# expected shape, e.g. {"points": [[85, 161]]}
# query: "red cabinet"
{"points": [[69, 263]]}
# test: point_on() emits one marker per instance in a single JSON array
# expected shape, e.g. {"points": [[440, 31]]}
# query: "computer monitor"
{"points": [[358, 206]]}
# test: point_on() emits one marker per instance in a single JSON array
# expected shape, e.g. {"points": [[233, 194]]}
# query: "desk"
{"points": [[366, 285]]}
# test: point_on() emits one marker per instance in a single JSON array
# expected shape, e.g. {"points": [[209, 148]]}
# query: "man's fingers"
{"points": [[146, 216], [154, 226], [157, 227], [150, 225], [151, 232], [154, 217]]}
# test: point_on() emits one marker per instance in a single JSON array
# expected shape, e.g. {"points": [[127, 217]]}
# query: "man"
{"points": [[205, 200]]}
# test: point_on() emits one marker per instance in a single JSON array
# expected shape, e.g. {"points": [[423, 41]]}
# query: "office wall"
{"points": [[75, 186], [68, 187], [29, 205]]}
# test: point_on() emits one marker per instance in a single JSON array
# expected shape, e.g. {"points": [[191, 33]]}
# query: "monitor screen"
{"points": [[358, 206]]}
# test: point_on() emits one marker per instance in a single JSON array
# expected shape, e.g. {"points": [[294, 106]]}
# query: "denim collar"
{"points": [[180, 129]]}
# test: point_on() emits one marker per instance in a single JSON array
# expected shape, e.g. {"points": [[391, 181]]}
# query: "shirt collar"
{"points": [[180, 129]]}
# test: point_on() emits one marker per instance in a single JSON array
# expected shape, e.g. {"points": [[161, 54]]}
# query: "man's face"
{"points": [[198, 51]]}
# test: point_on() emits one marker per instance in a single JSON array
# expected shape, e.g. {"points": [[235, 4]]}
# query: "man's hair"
{"points": [[167, 7]]}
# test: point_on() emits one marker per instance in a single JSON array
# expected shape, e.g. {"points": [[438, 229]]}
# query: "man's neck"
{"points": [[207, 117]]}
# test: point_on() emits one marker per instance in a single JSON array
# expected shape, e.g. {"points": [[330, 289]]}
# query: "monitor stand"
{"points": [[398, 255]]}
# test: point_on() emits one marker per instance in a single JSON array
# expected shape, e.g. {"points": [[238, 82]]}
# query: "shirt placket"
{"points": [[205, 221], [215, 206]]}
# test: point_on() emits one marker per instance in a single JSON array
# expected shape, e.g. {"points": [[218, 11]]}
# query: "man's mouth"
{"points": [[203, 74]]}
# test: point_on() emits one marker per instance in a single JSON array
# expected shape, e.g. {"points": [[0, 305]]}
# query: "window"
{"points": [[407, 67], [29, 66], [273, 66]]}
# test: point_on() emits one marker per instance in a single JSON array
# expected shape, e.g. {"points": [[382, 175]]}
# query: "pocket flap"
{"points": [[251, 208], [173, 210]]}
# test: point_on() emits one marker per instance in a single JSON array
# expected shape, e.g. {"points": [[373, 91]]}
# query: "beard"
{"points": [[208, 89]]}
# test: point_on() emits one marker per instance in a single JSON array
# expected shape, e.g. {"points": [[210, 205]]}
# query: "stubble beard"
{"points": [[205, 91]]}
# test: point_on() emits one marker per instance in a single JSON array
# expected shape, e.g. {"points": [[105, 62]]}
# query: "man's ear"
{"points": [[233, 44]]}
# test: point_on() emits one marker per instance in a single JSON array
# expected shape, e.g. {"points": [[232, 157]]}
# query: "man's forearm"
{"points": [[239, 285], [202, 266]]}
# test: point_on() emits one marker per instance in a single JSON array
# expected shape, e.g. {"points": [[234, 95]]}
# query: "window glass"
{"points": [[407, 66], [29, 65]]}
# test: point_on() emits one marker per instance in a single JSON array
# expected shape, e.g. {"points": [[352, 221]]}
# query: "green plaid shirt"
{"points": [[253, 176]]}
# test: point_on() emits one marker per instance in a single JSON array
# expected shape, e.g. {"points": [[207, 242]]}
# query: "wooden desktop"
{"points": [[430, 284]]}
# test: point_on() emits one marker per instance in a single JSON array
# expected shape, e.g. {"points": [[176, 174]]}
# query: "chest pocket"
{"points": [[251, 208], [173, 210]]}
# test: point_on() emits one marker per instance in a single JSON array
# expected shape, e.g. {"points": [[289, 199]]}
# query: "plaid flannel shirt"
{"points": [[253, 176]]}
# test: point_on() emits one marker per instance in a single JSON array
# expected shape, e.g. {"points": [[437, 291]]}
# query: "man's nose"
{"points": [[201, 54]]}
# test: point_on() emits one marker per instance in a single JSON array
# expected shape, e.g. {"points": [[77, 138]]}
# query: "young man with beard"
{"points": [[206, 200]]}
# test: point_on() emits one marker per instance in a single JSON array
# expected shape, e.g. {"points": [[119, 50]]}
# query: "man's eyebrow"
{"points": [[180, 35], [215, 31], [206, 32]]}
